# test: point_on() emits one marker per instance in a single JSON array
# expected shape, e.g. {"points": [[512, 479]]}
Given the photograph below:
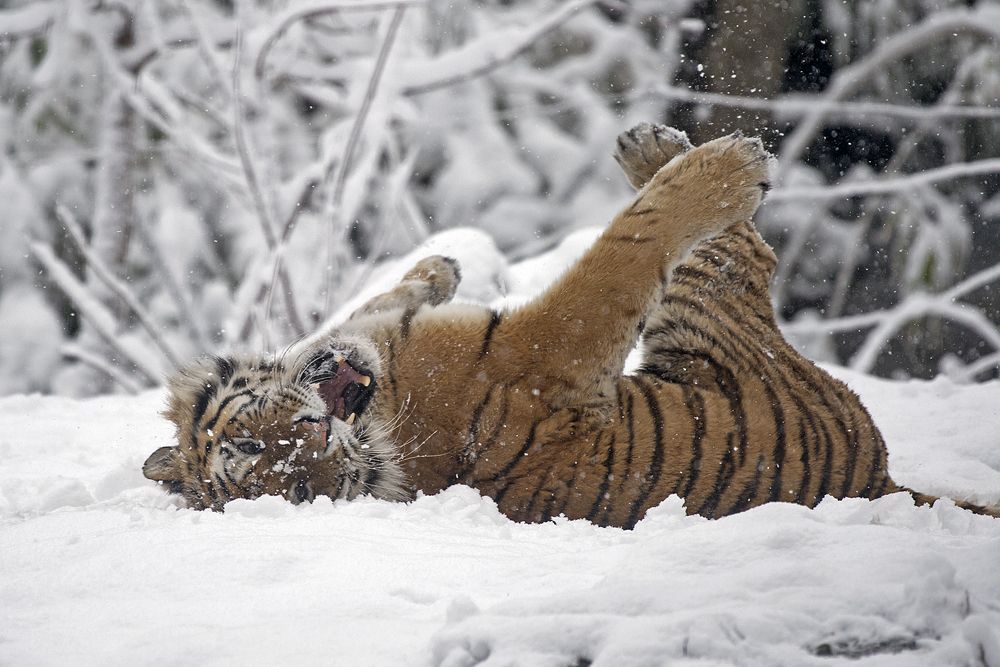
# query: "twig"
{"points": [[886, 185], [983, 22], [482, 56], [859, 228], [27, 20], [73, 351], [100, 318], [795, 106], [182, 300], [970, 371], [343, 167], [315, 10], [205, 47], [118, 288], [920, 305], [257, 196]]}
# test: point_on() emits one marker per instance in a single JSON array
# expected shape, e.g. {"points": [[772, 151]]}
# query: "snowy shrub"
{"points": [[200, 175]]}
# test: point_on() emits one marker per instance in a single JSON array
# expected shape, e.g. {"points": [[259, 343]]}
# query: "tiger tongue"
{"points": [[332, 390]]}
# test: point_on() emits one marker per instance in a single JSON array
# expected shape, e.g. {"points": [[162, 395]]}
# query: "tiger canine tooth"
{"points": [[350, 420], [314, 386], [364, 380]]}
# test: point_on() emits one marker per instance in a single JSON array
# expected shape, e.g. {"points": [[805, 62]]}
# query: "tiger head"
{"points": [[297, 428]]}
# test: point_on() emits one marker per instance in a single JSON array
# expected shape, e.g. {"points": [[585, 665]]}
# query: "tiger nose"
{"points": [[303, 492], [320, 428]]}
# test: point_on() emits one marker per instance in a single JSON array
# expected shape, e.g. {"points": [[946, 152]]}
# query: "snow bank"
{"points": [[99, 566]]}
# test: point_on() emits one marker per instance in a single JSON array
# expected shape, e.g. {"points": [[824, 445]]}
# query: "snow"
{"points": [[100, 566]]}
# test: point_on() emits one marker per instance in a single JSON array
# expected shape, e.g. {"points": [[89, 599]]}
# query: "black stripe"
{"points": [[748, 494], [726, 470], [630, 414], [602, 491], [506, 470], [800, 497], [223, 487], [629, 238], [824, 480], [405, 321], [778, 453], [222, 406], [876, 466], [655, 468], [546, 512], [696, 408], [495, 317], [575, 467], [470, 436], [225, 370]]}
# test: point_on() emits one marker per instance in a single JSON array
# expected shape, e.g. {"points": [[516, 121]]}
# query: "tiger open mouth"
{"points": [[347, 392]]}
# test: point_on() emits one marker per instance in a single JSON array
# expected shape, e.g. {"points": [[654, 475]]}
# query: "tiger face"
{"points": [[298, 428]]}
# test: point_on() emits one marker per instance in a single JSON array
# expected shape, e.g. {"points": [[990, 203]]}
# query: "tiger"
{"points": [[530, 406]]}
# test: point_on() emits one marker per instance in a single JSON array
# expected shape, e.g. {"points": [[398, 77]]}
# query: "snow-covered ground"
{"points": [[99, 566]]}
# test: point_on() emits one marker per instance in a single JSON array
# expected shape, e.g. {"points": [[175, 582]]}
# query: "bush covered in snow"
{"points": [[196, 175]]}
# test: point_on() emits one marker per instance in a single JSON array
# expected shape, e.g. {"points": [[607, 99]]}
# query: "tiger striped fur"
{"points": [[530, 406]]}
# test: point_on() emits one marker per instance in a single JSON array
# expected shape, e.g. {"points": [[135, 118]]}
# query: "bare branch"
{"points": [[119, 289], [314, 10], [27, 20], [886, 185], [795, 106], [343, 167], [257, 195], [98, 363], [483, 55], [185, 306], [982, 22], [100, 318]]}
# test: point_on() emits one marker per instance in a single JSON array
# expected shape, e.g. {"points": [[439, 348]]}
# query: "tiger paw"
{"points": [[642, 150], [715, 185], [439, 274]]}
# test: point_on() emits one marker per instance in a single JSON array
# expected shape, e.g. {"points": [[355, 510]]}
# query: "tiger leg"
{"points": [[791, 431], [573, 340], [432, 281]]}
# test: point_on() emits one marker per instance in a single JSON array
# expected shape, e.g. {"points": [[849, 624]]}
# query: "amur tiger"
{"points": [[530, 406]]}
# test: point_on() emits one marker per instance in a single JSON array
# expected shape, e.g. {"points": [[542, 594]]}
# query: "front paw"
{"points": [[441, 276], [642, 150]]}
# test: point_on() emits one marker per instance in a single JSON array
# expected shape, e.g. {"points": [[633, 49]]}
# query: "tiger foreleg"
{"points": [[432, 281], [578, 333]]}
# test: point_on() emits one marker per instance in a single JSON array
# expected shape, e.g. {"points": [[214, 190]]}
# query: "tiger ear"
{"points": [[164, 465]]}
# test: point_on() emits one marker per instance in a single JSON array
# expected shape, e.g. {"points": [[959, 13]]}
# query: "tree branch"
{"points": [[100, 318], [886, 185], [119, 289], [982, 22], [314, 10], [483, 55]]}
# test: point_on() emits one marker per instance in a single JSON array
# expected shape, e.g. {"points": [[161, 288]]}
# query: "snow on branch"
{"points": [[100, 364], [117, 287], [30, 18], [886, 185], [981, 22], [888, 322], [101, 319], [304, 11], [485, 54], [796, 106]]}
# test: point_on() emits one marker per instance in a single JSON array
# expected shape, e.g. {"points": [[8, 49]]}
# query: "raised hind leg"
{"points": [[786, 430]]}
